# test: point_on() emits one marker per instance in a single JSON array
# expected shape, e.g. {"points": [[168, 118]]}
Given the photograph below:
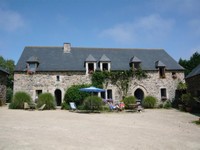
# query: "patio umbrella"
{"points": [[92, 89]]}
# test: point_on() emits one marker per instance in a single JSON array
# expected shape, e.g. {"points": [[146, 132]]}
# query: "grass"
{"points": [[197, 122]]}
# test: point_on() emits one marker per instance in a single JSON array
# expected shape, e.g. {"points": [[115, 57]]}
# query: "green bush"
{"points": [[129, 100], [48, 99], [149, 102], [73, 94], [65, 106], [93, 103], [18, 100], [167, 104], [187, 99], [9, 95]]}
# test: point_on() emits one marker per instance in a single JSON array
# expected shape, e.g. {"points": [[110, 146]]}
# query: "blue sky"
{"points": [[173, 25]]}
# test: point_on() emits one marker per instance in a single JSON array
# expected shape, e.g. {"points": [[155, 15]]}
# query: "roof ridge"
{"points": [[100, 48], [116, 48], [43, 46]]}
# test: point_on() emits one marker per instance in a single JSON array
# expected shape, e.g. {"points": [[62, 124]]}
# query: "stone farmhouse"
{"points": [[3, 82], [55, 69]]}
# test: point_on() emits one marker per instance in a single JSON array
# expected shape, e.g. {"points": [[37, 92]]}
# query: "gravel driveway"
{"points": [[63, 130]]}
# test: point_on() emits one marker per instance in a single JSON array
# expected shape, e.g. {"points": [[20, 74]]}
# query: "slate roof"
{"points": [[54, 59], [195, 71], [4, 71]]}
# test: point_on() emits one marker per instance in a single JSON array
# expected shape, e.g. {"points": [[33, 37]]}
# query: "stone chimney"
{"points": [[67, 47]]}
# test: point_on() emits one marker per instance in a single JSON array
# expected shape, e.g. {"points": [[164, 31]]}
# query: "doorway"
{"points": [[58, 97], [139, 94]]}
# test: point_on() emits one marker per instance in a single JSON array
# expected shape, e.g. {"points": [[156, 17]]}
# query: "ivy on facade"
{"points": [[121, 79]]}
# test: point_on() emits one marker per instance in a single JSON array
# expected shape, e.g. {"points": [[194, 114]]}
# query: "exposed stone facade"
{"points": [[52, 81]]}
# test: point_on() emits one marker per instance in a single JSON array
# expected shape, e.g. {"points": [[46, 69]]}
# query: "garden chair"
{"points": [[72, 106], [42, 107], [112, 107], [26, 106]]}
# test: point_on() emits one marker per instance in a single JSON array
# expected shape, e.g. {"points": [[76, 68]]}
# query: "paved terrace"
{"points": [[64, 130]]}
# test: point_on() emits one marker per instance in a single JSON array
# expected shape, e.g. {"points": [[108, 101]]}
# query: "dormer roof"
{"points": [[135, 59], [104, 58], [159, 64], [90, 58], [33, 59]]}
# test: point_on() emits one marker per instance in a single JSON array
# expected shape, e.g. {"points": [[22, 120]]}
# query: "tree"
{"points": [[8, 65], [190, 64]]}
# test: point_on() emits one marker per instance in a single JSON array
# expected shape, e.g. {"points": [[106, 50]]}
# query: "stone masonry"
{"points": [[48, 82]]}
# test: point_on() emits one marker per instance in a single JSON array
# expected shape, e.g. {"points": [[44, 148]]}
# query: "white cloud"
{"points": [[147, 28], [10, 20]]}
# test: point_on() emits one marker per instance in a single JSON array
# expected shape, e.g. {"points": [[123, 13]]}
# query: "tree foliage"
{"points": [[119, 78], [73, 94], [190, 64], [8, 65]]}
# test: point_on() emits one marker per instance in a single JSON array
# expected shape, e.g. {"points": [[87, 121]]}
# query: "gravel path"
{"points": [[63, 130]]}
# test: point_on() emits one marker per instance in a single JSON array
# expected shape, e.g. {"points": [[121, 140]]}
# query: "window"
{"points": [[90, 68], [32, 64], [38, 92], [57, 78], [105, 66], [109, 94], [136, 65], [163, 92], [162, 72], [174, 76], [31, 67], [103, 95]]}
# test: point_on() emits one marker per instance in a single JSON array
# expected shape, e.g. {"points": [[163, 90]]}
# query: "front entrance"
{"points": [[58, 96], [139, 94]]}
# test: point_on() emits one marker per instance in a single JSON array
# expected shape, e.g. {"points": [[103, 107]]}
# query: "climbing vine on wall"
{"points": [[121, 79]]}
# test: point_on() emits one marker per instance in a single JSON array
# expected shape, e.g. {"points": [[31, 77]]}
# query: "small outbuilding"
{"points": [[193, 82]]}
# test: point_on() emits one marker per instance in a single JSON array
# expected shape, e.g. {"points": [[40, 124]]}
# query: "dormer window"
{"points": [[135, 63], [161, 66], [105, 63], [90, 64], [32, 65]]}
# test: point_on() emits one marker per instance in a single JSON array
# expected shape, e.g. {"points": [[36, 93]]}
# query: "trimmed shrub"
{"points": [[65, 106], [129, 100], [93, 103], [18, 100], [73, 94], [48, 99], [167, 104], [149, 102]]}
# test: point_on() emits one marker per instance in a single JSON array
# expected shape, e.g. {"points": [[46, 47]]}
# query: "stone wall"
{"points": [[47, 82], [152, 85]]}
